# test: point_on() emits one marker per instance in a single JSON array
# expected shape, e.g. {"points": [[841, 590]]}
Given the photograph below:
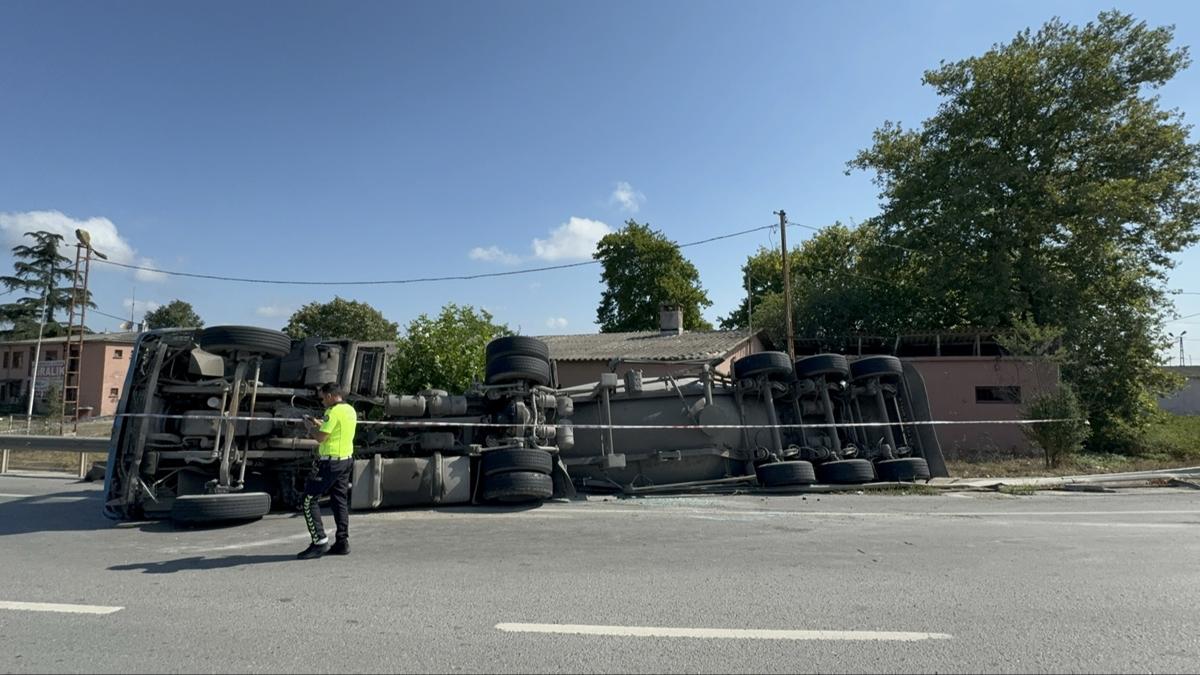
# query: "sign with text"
{"points": [[50, 374]]}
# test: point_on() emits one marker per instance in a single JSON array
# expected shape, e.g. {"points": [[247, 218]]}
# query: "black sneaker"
{"points": [[313, 551], [340, 548]]}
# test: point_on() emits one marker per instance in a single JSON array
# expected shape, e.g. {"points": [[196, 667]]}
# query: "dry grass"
{"points": [[1013, 467], [48, 460]]}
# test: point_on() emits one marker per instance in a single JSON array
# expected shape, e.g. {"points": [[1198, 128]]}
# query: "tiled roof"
{"points": [[119, 338], [652, 346]]}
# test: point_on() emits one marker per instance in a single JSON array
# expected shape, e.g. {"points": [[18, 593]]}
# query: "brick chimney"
{"points": [[670, 320]]}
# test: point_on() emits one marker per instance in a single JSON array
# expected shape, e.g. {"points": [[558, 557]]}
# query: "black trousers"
{"points": [[332, 476]]}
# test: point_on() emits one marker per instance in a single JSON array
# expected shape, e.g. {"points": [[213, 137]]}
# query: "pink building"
{"points": [[983, 389], [106, 359]]}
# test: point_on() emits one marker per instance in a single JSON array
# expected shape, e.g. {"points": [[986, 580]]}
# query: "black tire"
{"points": [[517, 368], [775, 365], [874, 366], [517, 344], [221, 507], [518, 486], [903, 469], [777, 474], [846, 471], [245, 339], [822, 364], [516, 459]]}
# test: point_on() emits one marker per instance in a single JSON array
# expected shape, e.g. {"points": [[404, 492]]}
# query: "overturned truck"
{"points": [[210, 426]]}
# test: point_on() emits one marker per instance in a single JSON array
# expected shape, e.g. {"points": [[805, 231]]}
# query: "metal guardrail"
{"points": [[74, 444]]}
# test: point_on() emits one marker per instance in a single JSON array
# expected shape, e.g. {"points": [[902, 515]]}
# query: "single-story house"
{"points": [[1186, 401]]}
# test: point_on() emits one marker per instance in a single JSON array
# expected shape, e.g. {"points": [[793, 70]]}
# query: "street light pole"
{"points": [[37, 353]]}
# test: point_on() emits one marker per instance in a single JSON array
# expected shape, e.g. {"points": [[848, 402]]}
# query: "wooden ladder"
{"points": [[75, 331]]}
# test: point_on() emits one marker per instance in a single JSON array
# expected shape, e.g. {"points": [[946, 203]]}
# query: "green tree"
{"points": [[42, 272], [55, 408], [844, 282], [443, 352], [642, 271], [1051, 187], [340, 318], [174, 314], [1064, 436]]}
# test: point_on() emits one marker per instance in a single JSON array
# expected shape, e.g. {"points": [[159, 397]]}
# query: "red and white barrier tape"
{"points": [[424, 424]]}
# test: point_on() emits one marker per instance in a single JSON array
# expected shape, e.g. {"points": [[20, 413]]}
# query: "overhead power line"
{"points": [[111, 316], [415, 280]]}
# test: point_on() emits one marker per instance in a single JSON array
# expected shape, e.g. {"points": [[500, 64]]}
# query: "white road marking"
{"points": [[55, 607], [719, 633], [1076, 523], [14, 496], [234, 547], [651, 510]]}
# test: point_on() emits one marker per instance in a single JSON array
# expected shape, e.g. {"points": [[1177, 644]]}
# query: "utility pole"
{"points": [[37, 351], [787, 285], [749, 305], [1181, 347]]}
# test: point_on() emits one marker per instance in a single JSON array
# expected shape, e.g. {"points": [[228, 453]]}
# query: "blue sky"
{"points": [[322, 141]]}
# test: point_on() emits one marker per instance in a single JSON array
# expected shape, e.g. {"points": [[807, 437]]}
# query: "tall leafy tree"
{"points": [[1051, 186], [447, 351], [174, 314], [642, 271], [341, 318], [39, 271], [844, 281], [842, 284]]}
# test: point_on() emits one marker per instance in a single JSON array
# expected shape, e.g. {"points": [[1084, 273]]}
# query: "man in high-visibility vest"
{"points": [[335, 460]]}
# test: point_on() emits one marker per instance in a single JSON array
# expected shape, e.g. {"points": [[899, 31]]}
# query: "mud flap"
{"points": [[563, 487], [918, 404]]}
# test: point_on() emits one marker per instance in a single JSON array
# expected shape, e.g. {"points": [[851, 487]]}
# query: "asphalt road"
{"points": [[966, 582]]}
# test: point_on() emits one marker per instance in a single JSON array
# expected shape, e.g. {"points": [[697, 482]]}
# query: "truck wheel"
{"points": [[822, 364], [876, 365], [517, 368], [221, 507], [517, 344], [778, 474], [245, 339], [775, 365], [517, 459], [903, 469], [518, 486], [846, 471]]}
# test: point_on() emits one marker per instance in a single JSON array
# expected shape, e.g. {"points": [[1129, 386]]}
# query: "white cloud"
{"points": [[139, 307], [575, 239], [104, 236], [493, 254], [147, 275], [629, 199], [273, 311], [556, 322]]}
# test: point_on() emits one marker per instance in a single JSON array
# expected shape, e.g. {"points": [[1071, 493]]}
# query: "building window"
{"points": [[51, 356], [118, 353], [6, 359], [997, 394], [17, 359], [113, 393]]}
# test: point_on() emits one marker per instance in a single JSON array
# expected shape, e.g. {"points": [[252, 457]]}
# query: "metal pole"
{"points": [[749, 305], [37, 353], [787, 285]]}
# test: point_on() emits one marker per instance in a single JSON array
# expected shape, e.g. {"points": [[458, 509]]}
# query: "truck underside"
{"points": [[210, 426]]}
